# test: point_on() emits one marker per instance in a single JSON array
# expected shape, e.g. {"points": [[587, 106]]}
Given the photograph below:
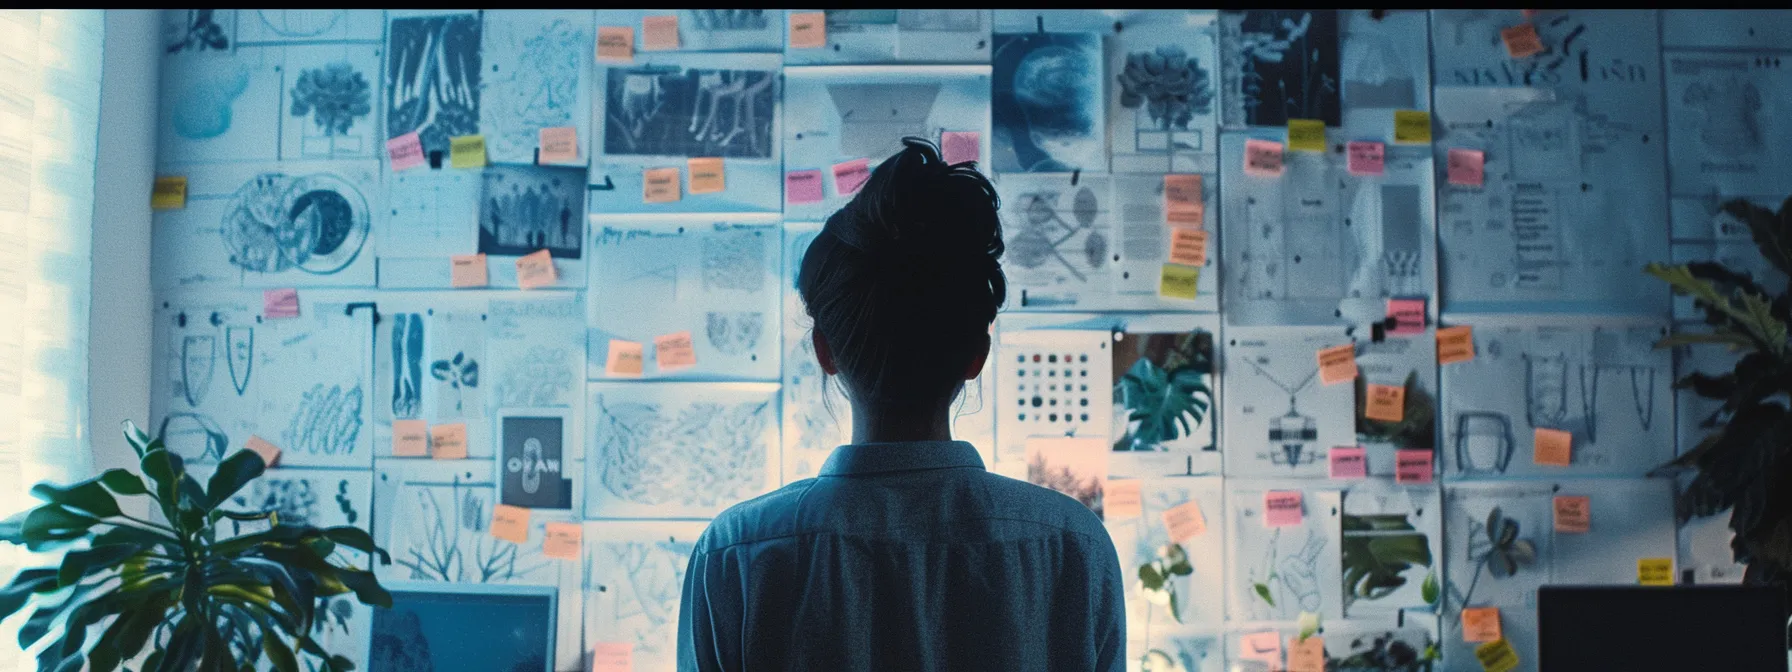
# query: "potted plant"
{"points": [[199, 602]]}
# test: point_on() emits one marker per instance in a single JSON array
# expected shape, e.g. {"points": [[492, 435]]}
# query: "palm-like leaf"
{"points": [[1162, 405]]}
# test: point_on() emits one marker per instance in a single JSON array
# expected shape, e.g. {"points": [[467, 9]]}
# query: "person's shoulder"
{"points": [[1044, 506], [768, 516]]}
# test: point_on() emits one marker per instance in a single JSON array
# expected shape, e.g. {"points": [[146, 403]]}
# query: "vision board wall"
{"points": [[709, 147]]}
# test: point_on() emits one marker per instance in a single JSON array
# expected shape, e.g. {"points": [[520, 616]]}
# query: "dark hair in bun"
{"points": [[905, 280]]}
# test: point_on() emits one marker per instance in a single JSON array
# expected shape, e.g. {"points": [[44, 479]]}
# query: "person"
{"points": [[904, 553]]}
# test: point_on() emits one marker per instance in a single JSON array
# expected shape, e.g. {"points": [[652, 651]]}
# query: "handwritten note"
{"points": [[659, 32], [1466, 167], [169, 193], [270, 453], [674, 351], [1522, 40], [1497, 656], [1261, 646], [850, 176], [1121, 499], [1455, 344], [1481, 624], [536, 270], [1188, 246], [1185, 521], [1281, 508], [279, 303], [467, 270], [559, 144], [1348, 462], [615, 43], [1262, 158], [405, 152], [1408, 316], [1574, 514], [1554, 447], [563, 541], [1413, 466], [659, 185], [1179, 282], [466, 151], [1655, 571], [1337, 364], [410, 438], [1412, 127], [1365, 158], [706, 175], [625, 359], [1185, 201], [449, 441], [1306, 655], [803, 186], [510, 523], [613, 657], [808, 30], [1386, 403], [1306, 135]]}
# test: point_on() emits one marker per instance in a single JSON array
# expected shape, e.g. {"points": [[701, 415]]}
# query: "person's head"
{"points": [[903, 283]]}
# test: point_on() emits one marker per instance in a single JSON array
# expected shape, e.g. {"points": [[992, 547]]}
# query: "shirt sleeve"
{"points": [[1111, 597]]}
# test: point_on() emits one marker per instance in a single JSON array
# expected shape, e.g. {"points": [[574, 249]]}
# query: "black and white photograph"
{"points": [[701, 112], [524, 209], [1280, 65], [532, 462]]}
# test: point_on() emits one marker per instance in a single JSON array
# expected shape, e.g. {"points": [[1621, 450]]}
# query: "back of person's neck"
{"points": [[878, 424]]}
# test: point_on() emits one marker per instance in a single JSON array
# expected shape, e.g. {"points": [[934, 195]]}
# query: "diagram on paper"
{"points": [[1284, 421], [679, 450], [1052, 383], [298, 224], [634, 576], [1275, 573]]}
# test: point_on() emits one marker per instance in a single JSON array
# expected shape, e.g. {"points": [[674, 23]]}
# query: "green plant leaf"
{"points": [[278, 653], [1167, 405], [358, 539], [1175, 607], [88, 496], [1429, 589], [163, 468], [54, 522], [1149, 576], [123, 482], [77, 564], [233, 473], [28, 582], [1263, 592]]}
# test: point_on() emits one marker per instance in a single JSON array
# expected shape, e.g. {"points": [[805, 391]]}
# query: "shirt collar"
{"points": [[872, 458]]}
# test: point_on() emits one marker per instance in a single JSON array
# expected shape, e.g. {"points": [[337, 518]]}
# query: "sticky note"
{"points": [[466, 151], [1412, 127], [1262, 158], [1122, 499], [1306, 135], [1467, 167], [1554, 447], [1178, 282], [559, 144], [405, 151], [279, 303], [659, 185], [1497, 656], [169, 193], [615, 43], [1574, 514], [1481, 624], [1188, 247], [270, 454], [659, 32], [1337, 364], [510, 523], [803, 186], [1261, 646], [1455, 344], [1184, 521], [563, 541], [1348, 462], [467, 270], [1408, 316], [410, 438], [1365, 158], [449, 441], [851, 176], [1521, 40], [1306, 655], [624, 359], [536, 270], [959, 146], [613, 657], [1281, 508], [674, 351], [1185, 202], [706, 175], [1413, 465], [1386, 403], [1655, 571], [808, 30]]}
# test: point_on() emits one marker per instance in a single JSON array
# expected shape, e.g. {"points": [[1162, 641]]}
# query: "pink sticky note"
{"points": [[536, 270], [613, 657], [803, 186], [1412, 466], [959, 146], [280, 303], [850, 176], [1261, 646], [1408, 316], [1466, 167], [405, 151], [1262, 158], [674, 351], [1366, 158], [1349, 462], [1281, 508]]}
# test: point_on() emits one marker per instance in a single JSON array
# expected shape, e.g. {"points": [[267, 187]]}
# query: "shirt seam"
{"points": [[1085, 535]]}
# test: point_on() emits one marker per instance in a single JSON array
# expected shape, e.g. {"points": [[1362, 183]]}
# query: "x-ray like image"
{"points": [[1046, 103], [634, 574], [1280, 65], [297, 224], [679, 450], [525, 209], [433, 72], [863, 36], [1285, 420], [537, 75], [1276, 573]]}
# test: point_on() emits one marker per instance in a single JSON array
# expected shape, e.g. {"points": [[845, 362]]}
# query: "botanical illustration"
{"points": [[335, 96], [432, 78], [1168, 83]]}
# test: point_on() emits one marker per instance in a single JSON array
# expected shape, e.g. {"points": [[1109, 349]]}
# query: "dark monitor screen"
{"points": [[1640, 628]]}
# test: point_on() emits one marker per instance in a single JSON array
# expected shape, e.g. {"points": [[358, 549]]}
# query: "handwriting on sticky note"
{"points": [[1306, 655], [1185, 521], [803, 186], [674, 351], [1262, 158], [808, 30], [1412, 127], [1261, 646], [279, 303], [468, 270], [270, 454], [851, 176], [659, 185], [1497, 656], [1188, 247], [1365, 158], [1281, 508], [1306, 135], [449, 441], [1179, 282], [536, 270], [1185, 201], [1522, 40], [1467, 167], [1554, 447], [510, 523], [659, 32], [1348, 462], [613, 657], [466, 151], [1408, 316], [410, 438], [405, 152], [1122, 499], [1574, 514], [1455, 344], [1655, 571], [959, 146], [1413, 466], [1386, 403], [615, 43], [625, 359], [1337, 364], [559, 144], [706, 175], [169, 193], [1481, 624], [563, 541]]}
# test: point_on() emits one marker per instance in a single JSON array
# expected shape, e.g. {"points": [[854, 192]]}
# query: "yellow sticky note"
{"points": [[169, 193], [1121, 499], [659, 32], [1188, 247], [808, 30], [1306, 655], [1178, 282], [1185, 201], [674, 351], [1481, 624], [270, 454], [1386, 403], [1497, 656], [659, 185], [448, 442], [1455, 344], [706, 175], [624, 358], [1306, 135], [1573, 514], [536, 270], [1337, 364], [1184, 521], [410, 438], [1655, 571], [563, 541], [466, 151], [510, 523], [615, 43], [559, 144], [1554, 447], [1412, 127], [468, 270]]}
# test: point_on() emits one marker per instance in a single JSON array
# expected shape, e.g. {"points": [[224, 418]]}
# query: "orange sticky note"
{"points": [[615, 43], [1262, 158], [706, 175], [624, 359], [613, 657], [1337, 364], [1455, 344], [659, 32], [1554, 447], [1413, 466], [1122, 499], [510, 523], [448, 442], [1184, 521], [1481, 624], [1185, 203], [1386, 403], [563, 541], [536, 270], [559, 144], [1521, 40], [1306, 655], [410, 438], [808, 30], [674, 351], [468, 270], [1188, 246], [270, 454], [659, 185], [1573, 514]]}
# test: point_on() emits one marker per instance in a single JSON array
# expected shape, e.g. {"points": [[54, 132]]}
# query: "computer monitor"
{"points": [[1647, 628], [446, 627]]}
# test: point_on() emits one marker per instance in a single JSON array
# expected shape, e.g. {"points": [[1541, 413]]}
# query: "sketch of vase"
{"points": [[1484, 442], [198, 360], [240, 343]]}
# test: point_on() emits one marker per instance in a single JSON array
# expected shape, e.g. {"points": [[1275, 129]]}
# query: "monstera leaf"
{"points": [[1376, 554], [1165, 405]]}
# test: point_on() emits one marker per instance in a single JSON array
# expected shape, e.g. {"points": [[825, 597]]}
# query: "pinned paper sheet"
{"points": [[1185, 522], [563, 541], [615, 43], [405, 151], [448, 442], [1412, 127], [169, 193], [1521, 40], [1554, 447], [1337, 364], [625, 359], [1185, 202], [1281, 508], [536, 270], [1655, 571], [1122, 499], [808, 30], [279, 303], [1455, 344], [706, 175], [1306, 655], [1413, 466], [1574, 514], [1306, 135], [803, 186], [410, 438], [1179, 282], [1386, 403], [674, 351], [466, 151], [1261, 646], [959, 146], [659, 185], [510, 523], [850, 176], [1466, 167], [1366, 158], [1262, 158], [270, 454], [559, 144], [659, 32], [1188, 247], [467, 270], [1408, 316], [1481, 624], [1348, 462], [1497, 656], [613, 657]]}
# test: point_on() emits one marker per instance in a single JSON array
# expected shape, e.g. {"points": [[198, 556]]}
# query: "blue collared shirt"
{"points": [[904, 556]]}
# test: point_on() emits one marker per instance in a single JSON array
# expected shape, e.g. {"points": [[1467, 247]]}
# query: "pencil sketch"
{"points": [[634, 573], [1722, 118], [433, 72], [744, 30], [1280, 65], [307, 224], [328, 422], [525, 209], [537, 76], [446, 536], [438, 626], [1163, 99], [1046, 103], [1279, 572], [1139, 540], [677, 450], [535, 350], [1178, 652], [1059, 235], [1265, 437], [899, 36], [674, 111]]}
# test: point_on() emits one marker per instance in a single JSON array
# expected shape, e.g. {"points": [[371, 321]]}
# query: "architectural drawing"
{"points": [[535, 460], [1275, 573], [433, 72], [1046, 103], [861, 36], [525, 209], [435, 626], [1279, 65], [1265, 436], [679, 450], [634, 574], [1138, 540], [760, 30], [1052, 382], [1601, 380], [276, 26], [432, 213], [537, 75], [716, 279], [298, 224], [1392, 546]]}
